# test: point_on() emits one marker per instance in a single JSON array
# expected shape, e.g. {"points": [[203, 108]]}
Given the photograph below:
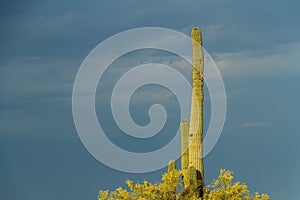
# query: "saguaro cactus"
{"points": [[171, 166], [184, 130], [196, 115]]}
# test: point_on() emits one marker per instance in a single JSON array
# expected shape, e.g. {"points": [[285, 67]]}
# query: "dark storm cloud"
{"points": [[62, 29]]}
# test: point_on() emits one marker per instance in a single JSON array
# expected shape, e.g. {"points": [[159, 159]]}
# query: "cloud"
{"points": [[283, 59], [250, 124], [213, 30], [36, 92], [231, 93]]}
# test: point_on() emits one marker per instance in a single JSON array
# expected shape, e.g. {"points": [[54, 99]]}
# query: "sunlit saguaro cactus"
{"points": [[196, 115], [191, 133], [184, 131], [171, 166]]}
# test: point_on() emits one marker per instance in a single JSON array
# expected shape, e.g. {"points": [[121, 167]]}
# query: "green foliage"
{"points": [[221, 189]]}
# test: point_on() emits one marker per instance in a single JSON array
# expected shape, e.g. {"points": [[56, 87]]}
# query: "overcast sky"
{"points": [[255, 44]]}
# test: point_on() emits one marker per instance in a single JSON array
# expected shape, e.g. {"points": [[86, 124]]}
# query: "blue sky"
{"points": [[255, 44]]}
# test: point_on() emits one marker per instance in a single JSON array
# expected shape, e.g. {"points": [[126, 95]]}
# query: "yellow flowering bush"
{"points": [[222, 188]]}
